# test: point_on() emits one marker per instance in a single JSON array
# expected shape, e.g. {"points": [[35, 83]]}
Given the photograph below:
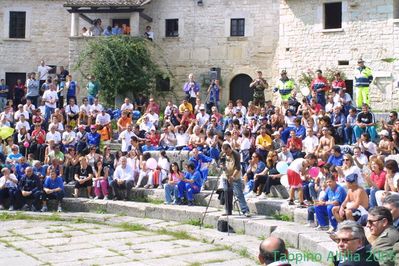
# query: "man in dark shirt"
{"points": [[30, 187], [365, 122], [3, 94]]}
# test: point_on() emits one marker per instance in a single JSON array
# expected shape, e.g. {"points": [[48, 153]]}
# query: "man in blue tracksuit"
{"points": [[198, 159], [30, 187], [189, 185], [335, 195]]}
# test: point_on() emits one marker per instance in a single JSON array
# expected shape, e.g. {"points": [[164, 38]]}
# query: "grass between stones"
{"points": [[282, 217], [197, 222]]}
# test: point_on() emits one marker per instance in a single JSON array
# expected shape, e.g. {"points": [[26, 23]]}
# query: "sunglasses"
{"points": [[372, 222], [344, 240]]}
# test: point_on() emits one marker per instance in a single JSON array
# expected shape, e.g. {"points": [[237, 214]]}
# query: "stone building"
{"points": [[236, 36]]}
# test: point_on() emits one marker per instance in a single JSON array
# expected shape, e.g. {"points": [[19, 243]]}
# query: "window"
{"points": [[237, 27], [333, 15], [172, 28], [17, 25], [163, 84], [343, 62], [396, 9]]}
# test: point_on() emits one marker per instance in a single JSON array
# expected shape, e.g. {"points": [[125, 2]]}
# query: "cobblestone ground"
{"points": [[30, 242]]}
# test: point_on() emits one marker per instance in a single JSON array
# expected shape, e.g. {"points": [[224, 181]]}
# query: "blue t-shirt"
{"points": [[53, 183], [336, 161], [338, 194]]}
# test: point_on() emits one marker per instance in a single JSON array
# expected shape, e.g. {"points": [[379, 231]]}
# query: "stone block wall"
{"points": [[368, 31], [47, 31]]}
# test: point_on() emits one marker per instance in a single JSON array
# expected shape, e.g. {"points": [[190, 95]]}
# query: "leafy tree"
{"points": [[122, 64]]}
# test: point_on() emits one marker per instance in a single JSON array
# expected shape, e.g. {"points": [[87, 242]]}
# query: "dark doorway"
{"points": [[239, 88], [12, 77], [349, 87], [120, 22]]}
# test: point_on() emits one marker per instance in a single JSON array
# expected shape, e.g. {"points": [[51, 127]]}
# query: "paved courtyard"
{"points": [[31, 242]]}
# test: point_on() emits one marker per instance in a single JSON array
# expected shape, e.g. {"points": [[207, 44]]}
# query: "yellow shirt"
{"points": [[263, 141], [183, 106]]}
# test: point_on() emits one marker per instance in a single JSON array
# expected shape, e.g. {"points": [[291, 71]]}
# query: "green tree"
{"points": [[122, 65]]}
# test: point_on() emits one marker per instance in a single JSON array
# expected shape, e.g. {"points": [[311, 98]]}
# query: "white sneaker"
{"points": [[250, 195], [262, 196], [105, 198], [96, 198], [59, 209]]}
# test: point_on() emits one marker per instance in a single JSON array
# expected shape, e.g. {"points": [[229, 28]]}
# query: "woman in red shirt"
{"points": [[375, 180], [38, 139]]}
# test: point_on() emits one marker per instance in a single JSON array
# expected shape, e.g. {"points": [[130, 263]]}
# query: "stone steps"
{"points": [[276, 207], [295, 235]]}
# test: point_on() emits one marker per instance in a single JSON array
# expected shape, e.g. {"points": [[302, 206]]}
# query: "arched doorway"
{"points": [[239, 88]]}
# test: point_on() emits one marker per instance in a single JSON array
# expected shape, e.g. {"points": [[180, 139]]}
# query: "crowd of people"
{"points": [[337, 162]]}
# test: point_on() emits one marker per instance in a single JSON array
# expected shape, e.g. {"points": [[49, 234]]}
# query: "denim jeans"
{"points": [[170, 190], [371, 130], [90, 99], [48, 112], [372, 199], [312, 191], [349, 135], [234, 188]]}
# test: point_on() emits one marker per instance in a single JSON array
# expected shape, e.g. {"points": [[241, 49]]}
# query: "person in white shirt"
{"points": [[95, 109], [43, 71], [53, 135], [22, 123], [310, 143], [51, 97], [123, 179], [146, 125], [127, 105], [69, 137], [20, 111], [126, 137], [182, 137], [56, 124], [103, 119], [153, 117], [71, 111], [202, 117], [8, 187], [29, 107], [168, 109], [168, 138]]}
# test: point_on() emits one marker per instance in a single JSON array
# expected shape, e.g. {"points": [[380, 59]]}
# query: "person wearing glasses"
{"points": [[380, 223], [353, 249]]}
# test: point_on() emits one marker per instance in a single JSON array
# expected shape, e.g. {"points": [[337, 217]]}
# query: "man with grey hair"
{"points": [[353, 248], [379, 222], [123, 179], [391, 202], [272, 251]]}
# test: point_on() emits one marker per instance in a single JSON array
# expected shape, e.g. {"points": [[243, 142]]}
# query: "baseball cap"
{"points": [[93, 127], [351, 178]]}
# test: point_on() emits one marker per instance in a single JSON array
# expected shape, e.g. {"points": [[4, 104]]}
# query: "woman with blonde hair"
{"points": [[348, 168], [375, 180]]}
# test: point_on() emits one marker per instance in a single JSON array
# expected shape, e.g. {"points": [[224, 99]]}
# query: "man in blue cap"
{"points": [[355, 204]]}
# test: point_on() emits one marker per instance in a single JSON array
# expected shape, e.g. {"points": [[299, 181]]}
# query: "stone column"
{"points": [[74, 24], [134, 24]]}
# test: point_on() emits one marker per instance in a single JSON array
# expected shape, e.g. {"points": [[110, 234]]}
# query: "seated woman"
{"points": [[53, 189], [256, 171], [100, 181], [161, 173], [83, 177], [375, 180], [8, 188], [391, 184], [171, 190], [191, 184], [273, 176]]}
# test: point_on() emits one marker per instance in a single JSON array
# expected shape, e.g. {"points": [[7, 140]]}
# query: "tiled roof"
{"points": [[105, 3]]}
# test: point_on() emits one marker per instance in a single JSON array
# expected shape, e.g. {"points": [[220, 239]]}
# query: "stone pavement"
{"points": [[107, 239]]}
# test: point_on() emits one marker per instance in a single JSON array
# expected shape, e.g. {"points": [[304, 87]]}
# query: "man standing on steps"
{"points": [[363, 78], [232, 179], [272, 251]]}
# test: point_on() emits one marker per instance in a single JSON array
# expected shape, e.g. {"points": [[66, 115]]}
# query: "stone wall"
{"points": [[368, 31], [47, 31]]}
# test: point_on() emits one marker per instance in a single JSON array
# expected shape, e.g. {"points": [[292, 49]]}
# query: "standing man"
{"points": [[62, 77], [259, 85], [363, 78], [191, 88], [93, 87], [284, 86], [214, 95], [232, 180], [43, 71], [32, 89], [3, 94], [320, 86], [51, 98]]}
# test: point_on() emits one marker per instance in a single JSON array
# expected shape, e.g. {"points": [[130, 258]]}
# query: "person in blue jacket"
{"points": [[30, 187], [93, 137], [198, 159], [53, 189], [189, 185]]}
